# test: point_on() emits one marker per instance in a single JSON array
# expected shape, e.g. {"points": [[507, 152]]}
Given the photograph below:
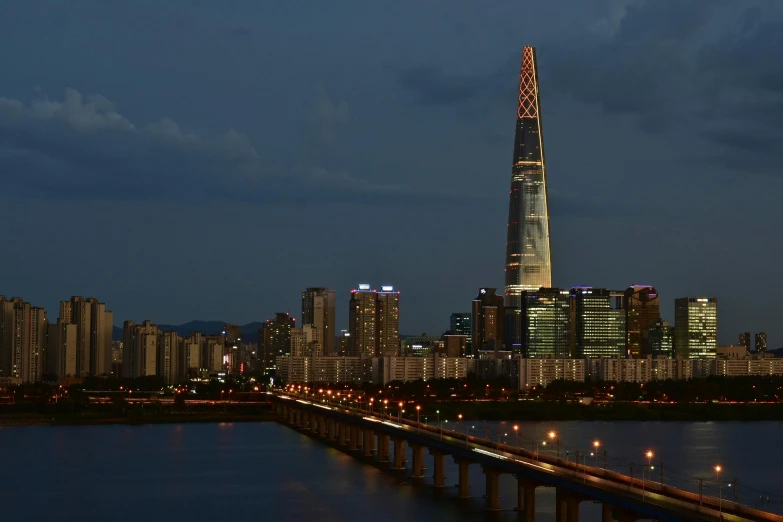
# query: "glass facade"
{"points": [[642, 309], [660, 338], [696, 327], [528, 263], [547, 323], [599, 322]]}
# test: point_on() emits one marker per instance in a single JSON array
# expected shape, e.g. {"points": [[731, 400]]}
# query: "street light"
{"points": [[718, 469], [553, 436], [459, 417], [440, 426], [418, 418], [516, 434], [596, 445], [399, 415], [649, 454], [385, 406]]}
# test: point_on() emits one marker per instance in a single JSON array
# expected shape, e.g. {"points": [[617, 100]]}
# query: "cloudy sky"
{"points": [[192, 159]]}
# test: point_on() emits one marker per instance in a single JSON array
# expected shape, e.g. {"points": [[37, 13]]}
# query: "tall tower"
{"points": [[642, 309], [528, 263], [528, 256], [388, 328]]}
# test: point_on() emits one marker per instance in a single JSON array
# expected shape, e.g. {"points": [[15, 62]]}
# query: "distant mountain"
{"points": [[777, 352], [249, 330]]}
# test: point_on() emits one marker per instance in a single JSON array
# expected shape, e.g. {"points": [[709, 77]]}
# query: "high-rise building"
{"points": [[139, 349], [191, 358], [598, 317], [528, 251], [318, 310], [276, 340], [546, 316], [167, 358], [744, 340], [388, 328], [660, 339], [761, 342], [487, 321], [642, 309], [94, 326], [306, 341], [23, 338], [61, 350], [460, 324], [696, 327], [363, 321]]}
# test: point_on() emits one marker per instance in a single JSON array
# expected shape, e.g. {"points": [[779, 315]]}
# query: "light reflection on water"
{"points": [[267, 471]]}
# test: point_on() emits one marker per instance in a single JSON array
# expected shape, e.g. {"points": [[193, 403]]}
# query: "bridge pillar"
{"points": [[493, 488], [322, 426], [369, 440], [343, 436], [624, 515], [566, 506], [383, 448], [464, 478], [399, 453], [334, 431], [439, 476], [606, 513], [526, 498], [418, 461], [353, 443]]}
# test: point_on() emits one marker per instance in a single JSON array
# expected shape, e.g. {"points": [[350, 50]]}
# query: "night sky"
{"points": [[209, 160]]}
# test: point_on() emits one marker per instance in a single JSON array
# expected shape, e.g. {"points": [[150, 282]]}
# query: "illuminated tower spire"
{"points": [[528, 258]]}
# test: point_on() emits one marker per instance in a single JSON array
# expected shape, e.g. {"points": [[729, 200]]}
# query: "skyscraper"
{"points": [[388, 329], [528, 252], [318, 311], [547, 323], [642, 309], [139, 349], [660, 337], [599, 322], [696, 327], [460, 324], [362, 321]]}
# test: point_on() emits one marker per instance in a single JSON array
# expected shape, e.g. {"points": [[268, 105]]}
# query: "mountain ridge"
{"points": [[249, 330]]}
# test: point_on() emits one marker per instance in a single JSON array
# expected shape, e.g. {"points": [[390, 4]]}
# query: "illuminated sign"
{"points": [[702, 300], [387, 288], [364, 287], [483, 291]]}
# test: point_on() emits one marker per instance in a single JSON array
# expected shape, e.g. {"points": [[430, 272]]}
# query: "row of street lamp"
{"points": [[551, 435]]}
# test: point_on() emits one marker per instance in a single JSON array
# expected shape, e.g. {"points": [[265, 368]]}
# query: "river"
{"points": [[266, 471]]}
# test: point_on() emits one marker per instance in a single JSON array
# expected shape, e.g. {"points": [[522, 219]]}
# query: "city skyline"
{"points": [[385, 142]]}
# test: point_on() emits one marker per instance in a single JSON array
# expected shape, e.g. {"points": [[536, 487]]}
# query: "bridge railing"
{"points": [[637, 486]]}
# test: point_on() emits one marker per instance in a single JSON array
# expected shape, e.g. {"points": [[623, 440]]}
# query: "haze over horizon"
{"points": [[191, 160]]}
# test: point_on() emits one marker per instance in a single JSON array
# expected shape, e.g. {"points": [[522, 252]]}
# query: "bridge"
{"points": [[384, 439]]}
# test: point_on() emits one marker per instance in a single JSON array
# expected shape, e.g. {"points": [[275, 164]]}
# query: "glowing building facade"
{"points": [[696, 327], [528, 252]]}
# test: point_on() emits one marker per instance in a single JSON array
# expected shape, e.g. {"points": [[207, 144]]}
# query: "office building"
{"points": [[318, 310], [761, 342], [455, 345], [599, 322], [388, 322], [642, 309], [528, 250], [696, 327], [487, 321], [139, 349], [94, 326], [660, 339], [460, 324], [276, 335], [363, 321], [546, 316], [745, 340]]}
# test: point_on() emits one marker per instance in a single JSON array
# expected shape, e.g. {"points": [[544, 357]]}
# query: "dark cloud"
{"points": [[83, 148], [431, 86]]}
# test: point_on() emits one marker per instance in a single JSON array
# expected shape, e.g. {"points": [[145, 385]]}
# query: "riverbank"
{"points": [[558, 411], [179, 418]]}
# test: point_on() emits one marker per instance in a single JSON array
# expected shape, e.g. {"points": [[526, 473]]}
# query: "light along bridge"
{"points": [[623, 498]]}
